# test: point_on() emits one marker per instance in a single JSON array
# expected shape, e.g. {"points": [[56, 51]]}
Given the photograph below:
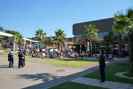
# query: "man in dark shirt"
{"points": [[102, 65], [21, 55], [10, 58]]}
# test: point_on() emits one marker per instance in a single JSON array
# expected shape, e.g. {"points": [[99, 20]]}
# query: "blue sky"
{"points": [[26, 16]]}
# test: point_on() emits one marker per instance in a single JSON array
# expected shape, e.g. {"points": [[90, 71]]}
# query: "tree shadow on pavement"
{"points": [[50, 80], [41, 76], [45, 77], [4, 66]]}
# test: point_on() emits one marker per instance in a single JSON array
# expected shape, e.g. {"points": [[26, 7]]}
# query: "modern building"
{"points": [[69, 42], [104, 26]]}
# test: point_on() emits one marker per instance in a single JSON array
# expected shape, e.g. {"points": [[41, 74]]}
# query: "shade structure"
{"points": [[34, 41], [6, 34]]}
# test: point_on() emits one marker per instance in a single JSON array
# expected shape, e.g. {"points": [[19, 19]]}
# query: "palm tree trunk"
{"points": [[130, 45]]}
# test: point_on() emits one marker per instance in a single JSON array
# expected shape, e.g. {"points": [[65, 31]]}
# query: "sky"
{"points": [[26, 16]]}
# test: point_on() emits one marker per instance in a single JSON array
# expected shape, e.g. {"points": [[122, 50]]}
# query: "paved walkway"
{"points": [[77, 78], [107, 84], [43, 76], [34, 75], [58, 81]]}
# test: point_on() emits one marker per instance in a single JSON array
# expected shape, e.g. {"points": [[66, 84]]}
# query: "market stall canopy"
{"points": [[6, 34]]}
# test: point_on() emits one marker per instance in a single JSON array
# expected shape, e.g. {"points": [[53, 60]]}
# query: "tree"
{"points": [[109, 38], [120, 28], [49, 41], [40, 35], [130, 40], [90, 34], [123, 24], [17, 36], [59, 38]]}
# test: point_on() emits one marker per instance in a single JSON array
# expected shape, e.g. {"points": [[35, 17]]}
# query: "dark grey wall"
{"points": [[103, 25]]}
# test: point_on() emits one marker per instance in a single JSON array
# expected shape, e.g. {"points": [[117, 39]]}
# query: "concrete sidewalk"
{"points": [[34, 75], [58, 81], [107, 84]]}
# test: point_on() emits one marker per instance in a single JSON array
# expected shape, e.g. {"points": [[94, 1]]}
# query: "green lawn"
{"points": [[71, 85], [4, 57], [75, 63], [69, 63], [111, 70]]}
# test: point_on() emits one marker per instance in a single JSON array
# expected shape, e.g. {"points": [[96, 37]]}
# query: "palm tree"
{"points": [[123, 24], [49, 41], [40, 35], [109, 38], [17, 36], [120, 28], [90, 34], [59, 38], [130, 40]]}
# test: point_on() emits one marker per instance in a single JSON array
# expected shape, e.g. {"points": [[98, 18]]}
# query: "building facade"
{"points": [[104, 26]]}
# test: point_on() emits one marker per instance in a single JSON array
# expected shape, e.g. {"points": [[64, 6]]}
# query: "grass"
{"points": [[5, 57], [71, 85], [127, 74], [69, 63], [74, 63], [111, 70]]}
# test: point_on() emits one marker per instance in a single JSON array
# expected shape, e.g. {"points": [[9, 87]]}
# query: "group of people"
{"points": [[21, 57]]}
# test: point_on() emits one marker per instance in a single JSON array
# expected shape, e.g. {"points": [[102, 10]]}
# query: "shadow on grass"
{"points": [[111, 71], [76, 59]]}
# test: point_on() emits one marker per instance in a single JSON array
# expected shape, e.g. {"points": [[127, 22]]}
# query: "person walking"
{"points": [[21, 56], [24, 53], [102, 65], [10, 58]]}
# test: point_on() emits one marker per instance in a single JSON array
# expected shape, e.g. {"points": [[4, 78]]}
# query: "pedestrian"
{"points": [[21, 56], [24, 53], [10, 58], [102, 65]]}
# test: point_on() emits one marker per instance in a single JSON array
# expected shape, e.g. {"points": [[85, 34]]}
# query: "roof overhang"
{"points": [[26, 39], [6, 34]]}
